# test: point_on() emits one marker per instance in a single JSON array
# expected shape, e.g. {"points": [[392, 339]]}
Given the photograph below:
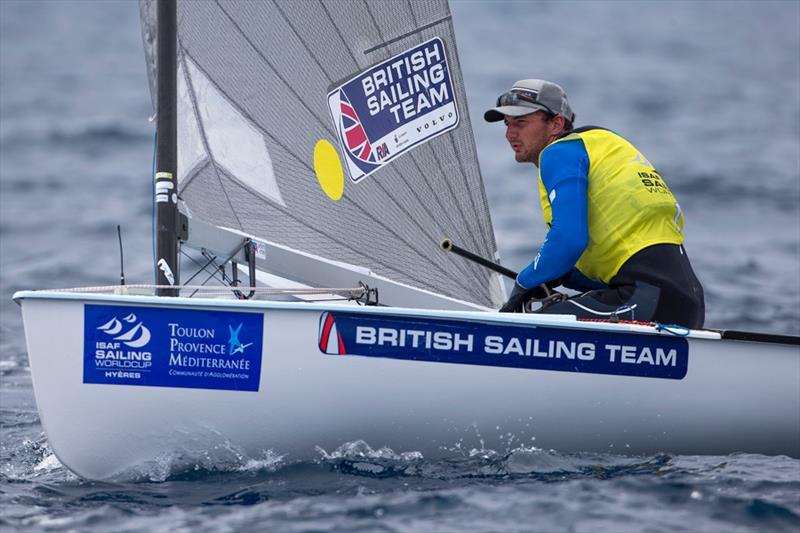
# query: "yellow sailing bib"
{"points": [[630, 206]]}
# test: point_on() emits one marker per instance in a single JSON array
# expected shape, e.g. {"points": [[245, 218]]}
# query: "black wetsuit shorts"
{"points": [[656, 284]]}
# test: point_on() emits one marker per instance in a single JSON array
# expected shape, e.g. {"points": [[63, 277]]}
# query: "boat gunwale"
{"points": [[512, 319]]}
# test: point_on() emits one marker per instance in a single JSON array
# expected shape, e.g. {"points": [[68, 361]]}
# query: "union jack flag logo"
{"points": [[355, 138]]}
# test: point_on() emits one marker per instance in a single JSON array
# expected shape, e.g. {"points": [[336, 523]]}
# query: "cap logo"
{"points": [[528, 96]]}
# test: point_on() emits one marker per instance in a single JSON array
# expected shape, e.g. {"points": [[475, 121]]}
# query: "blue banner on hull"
{"points": [[533, 347], [186, 348]]}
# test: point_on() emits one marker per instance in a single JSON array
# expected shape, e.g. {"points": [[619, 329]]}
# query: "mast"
{"points": [[166, 176]]}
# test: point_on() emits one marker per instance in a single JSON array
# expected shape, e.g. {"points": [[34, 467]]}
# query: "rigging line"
{"points": [[201, 127], [202, 267], [408, 34], [358, 207], [221, 268], [304, 43], [202, 283]]}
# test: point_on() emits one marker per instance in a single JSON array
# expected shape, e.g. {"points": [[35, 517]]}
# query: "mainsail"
{"points": [[335, 127]]}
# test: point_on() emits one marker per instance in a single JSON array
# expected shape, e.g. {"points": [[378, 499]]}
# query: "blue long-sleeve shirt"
{"points": [[564, 169]]}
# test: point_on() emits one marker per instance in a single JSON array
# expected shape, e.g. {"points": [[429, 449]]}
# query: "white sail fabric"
{"points": [[254, 80]]}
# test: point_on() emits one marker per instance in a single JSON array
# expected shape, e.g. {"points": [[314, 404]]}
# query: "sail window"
{"points": [[236, 145]]}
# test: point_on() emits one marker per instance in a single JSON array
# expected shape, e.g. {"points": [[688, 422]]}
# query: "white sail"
{"points": [[263, 150]]}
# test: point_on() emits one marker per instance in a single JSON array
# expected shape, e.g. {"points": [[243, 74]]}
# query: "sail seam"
{"points": [[400, 238], [436, 240], [454, 195], [456, 228], [304, 43], [484, 201], [407, 34], [463, 175], [288, 85], [414, 17], [425, 231], [375, 22], [402, 274], [339, 33]]}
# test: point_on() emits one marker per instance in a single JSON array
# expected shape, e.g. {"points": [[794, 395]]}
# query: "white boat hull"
{"points": [[735, 396]]}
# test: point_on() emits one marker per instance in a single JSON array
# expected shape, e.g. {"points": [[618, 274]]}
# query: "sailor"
{"points": [[615, 229]]}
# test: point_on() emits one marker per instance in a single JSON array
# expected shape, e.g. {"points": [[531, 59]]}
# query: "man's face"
{"points": [[529, 134]]}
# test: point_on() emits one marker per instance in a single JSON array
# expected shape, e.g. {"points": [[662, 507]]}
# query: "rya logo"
{"points": [[136, 336]]}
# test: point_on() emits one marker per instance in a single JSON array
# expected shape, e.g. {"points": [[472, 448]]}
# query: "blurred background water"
{"points": [[709, 91]]}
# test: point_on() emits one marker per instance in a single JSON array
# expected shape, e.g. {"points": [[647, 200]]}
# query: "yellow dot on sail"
{"points": [[328, 168]]}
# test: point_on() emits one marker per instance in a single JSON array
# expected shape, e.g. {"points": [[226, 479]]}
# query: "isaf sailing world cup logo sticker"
{"points": [[136, 336], [121, 350], [169, 347], [393, 106]]}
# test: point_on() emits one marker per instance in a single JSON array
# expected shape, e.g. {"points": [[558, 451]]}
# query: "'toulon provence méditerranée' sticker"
{"points": [[393, 106], [159, 347]]}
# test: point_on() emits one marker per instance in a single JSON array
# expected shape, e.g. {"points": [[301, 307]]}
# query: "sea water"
{"points": [[709, 91]]}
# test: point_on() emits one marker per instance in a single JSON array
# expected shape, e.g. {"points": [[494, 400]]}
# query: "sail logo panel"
{"points": [[498, 345], [182, 348], [394, 106]]}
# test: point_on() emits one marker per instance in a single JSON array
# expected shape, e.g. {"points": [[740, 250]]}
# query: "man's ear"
{"points": [[557, 125]]}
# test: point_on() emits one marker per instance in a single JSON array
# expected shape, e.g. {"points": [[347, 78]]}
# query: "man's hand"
{"points": [[519, 296]]}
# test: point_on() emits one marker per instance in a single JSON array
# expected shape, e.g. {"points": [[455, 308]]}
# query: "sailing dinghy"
{"points": [[323, 150]]}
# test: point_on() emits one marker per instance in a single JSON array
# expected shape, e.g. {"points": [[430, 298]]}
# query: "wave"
{"points": [[111, 133], [358, 487], [719, 190], [77, 136]]}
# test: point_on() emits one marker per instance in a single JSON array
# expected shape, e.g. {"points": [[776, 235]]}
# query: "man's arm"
{"points": [[564, 170], [577, 280]]}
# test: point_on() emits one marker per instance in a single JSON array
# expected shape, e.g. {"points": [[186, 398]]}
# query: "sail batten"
{"points": [[259, 85]]}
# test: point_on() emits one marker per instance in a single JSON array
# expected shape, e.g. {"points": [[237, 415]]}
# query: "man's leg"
{"points": [[612, 303]]}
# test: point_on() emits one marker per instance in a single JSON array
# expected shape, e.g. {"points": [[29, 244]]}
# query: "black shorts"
{"points": [[656, 284]]}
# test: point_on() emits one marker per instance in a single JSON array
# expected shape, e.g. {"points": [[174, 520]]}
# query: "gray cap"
{"points": [[529, 96]]}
